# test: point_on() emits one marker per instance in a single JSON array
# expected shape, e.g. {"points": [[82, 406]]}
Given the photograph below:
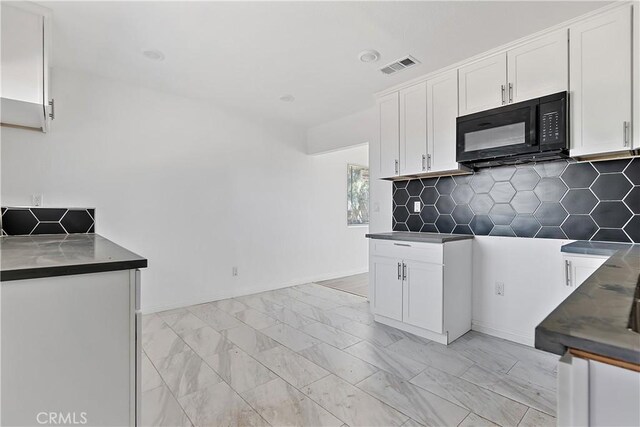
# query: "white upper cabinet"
{"points": [[413, 129], [25, 69], [538, 68], [388, 118], [483, 84], [442, 110], [601, 83]]}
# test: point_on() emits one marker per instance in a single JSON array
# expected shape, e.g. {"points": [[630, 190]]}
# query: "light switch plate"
{"points": [[416, 207]]}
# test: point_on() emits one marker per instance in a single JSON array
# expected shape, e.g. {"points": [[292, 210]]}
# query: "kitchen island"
{"points": [[69, 327], [593, 331]]}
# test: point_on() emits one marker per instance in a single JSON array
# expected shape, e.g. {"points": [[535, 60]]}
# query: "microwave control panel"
{"points": [[552, 122]]}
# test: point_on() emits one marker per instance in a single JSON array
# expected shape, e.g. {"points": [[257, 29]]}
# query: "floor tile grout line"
{"points": [[171, 391]]}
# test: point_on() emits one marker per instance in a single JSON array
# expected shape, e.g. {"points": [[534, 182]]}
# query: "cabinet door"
{"points": [[578, 269], [387, 287], [442, 110], [483, 84], [422, 295], [22, 53], [413, 129], [600, 83], [389, 122], [538, 68]]}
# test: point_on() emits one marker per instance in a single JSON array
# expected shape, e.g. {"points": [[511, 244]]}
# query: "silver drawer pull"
{"points": [[402, 244]]}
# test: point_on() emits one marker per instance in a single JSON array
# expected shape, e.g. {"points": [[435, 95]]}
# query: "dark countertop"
{"points": [[582, 247], [413, 236], [30, 257], [595, 317]]}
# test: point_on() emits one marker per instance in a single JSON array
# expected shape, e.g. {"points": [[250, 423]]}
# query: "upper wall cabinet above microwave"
{"points": [[601, 84], [530, 70], [25, 38]]}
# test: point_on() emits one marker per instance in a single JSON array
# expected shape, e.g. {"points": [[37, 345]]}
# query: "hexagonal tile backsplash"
{"points": [[31, 221], [554, 200]]}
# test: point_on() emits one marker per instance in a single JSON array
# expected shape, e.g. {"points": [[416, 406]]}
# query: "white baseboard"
{"points": [[234, 292], [515, 336]]}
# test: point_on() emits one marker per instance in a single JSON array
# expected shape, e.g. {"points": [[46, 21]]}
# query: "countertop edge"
{"points": [[419, 238], [68, 270]]}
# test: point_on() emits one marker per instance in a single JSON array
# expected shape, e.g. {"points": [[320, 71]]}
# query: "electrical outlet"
{"points": [[234, 271], [416, 207], [36, 200], [500, 288]]}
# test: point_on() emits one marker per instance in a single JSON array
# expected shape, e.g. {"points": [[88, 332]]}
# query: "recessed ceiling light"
{"points": [[287, 98], [154, 55], [369, 55]]}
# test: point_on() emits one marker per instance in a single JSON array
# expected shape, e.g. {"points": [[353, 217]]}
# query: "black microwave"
{"points": [[534, 130]]}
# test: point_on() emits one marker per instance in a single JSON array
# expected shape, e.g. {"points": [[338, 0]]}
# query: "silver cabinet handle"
{"points": [[402, 244], [510, 92], [397, 167], [428, 162], [567, 272], [424, 158], [404, 271], [625, 130], [52, 113], [502, 90], [399, 273]]}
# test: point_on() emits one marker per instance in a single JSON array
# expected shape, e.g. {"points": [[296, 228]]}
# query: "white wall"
{"points": [[352, 130], [532, 273], [193, 188]]}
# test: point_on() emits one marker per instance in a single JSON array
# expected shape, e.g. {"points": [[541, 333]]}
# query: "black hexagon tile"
{"points": [[633, 228], [481, 183], [445, 204], [550, 189], [525, 179], [611, 187], [17, 222], [481, 204], [445, 224], [579, 175], [502, 214], [632, 200], [502, 192], [611, 214], [462, 214], [462, 194], [612, 165], [414, 188], [445, 185], [429, 214], [429, 196], [551, 214], [579, 201], [632, 172], [525, 226], [579, 227], [481, 225], [525, 202]]}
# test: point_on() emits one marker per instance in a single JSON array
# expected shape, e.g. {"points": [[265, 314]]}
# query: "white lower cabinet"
{"points": [[422, 288], [593, 393], [70, 345], [387, 284], [578, 268]]}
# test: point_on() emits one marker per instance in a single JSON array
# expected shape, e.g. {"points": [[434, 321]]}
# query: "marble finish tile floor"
{"points": [[311, 355]]}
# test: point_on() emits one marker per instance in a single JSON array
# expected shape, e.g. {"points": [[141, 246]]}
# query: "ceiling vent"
{"points": [[399, 65]]}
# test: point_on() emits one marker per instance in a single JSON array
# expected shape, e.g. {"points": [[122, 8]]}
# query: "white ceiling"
{"points": [[245, 55]]}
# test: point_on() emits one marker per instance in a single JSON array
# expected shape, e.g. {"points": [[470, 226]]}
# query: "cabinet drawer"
{"points": [[425, 252]]}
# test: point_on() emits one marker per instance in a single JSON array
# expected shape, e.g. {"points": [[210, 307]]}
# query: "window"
{"points": [[357, 195]]}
